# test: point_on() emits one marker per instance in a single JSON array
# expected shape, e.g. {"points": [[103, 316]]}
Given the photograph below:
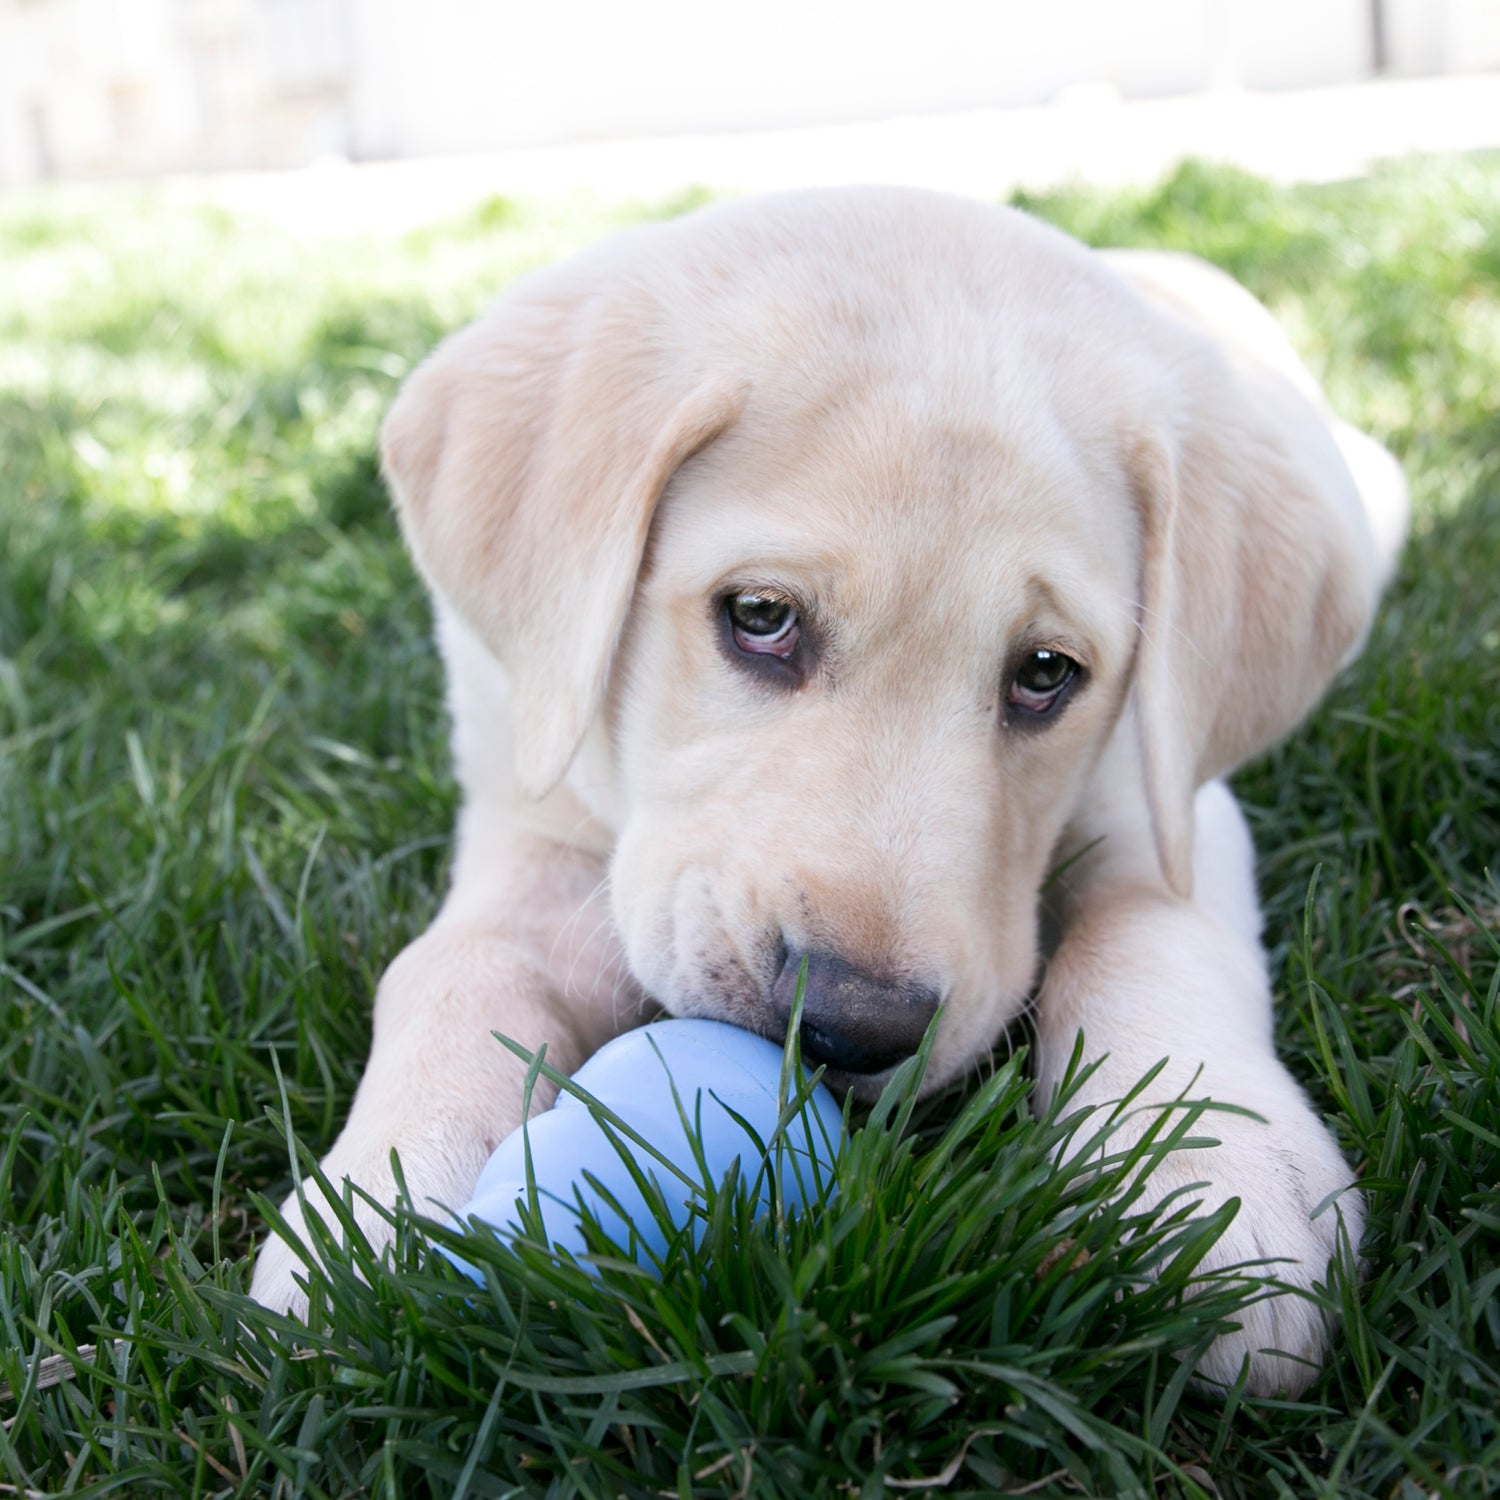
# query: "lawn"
{"points": [[225, 805]]}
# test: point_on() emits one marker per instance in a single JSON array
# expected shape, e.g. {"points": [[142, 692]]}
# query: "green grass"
{"points": [[224, 807]]}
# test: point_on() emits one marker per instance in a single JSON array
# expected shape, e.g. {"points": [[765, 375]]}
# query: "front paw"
{"points": [[278, 1282], [287, 1261], [1298, 1213], [437, 1154]]}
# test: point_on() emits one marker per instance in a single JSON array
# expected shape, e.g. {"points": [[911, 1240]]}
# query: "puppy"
{"points": [[816, 574]]}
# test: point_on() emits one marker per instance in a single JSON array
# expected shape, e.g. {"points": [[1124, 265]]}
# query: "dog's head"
{"points": [[893, 549]]}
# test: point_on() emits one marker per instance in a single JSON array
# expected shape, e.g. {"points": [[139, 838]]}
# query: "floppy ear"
{"points": [[1256, 581], [526, 457]]}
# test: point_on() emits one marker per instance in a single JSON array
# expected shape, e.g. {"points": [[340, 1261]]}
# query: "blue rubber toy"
{"points": [[651, 1078]]}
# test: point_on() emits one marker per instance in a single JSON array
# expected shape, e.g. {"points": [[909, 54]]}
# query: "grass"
{"points": [[224, 807]]}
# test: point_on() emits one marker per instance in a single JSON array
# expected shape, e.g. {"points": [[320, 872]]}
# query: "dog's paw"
{"points": [[1298, 1212], [282, 1268], [278, 1282], [440, 1154]]}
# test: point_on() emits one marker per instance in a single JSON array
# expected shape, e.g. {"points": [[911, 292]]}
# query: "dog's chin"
{"points": [[865, 1088]]}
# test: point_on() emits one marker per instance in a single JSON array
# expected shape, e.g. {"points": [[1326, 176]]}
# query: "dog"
{"points": [[815, 576]]}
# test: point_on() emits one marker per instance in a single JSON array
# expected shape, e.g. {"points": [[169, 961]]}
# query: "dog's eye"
{"points": [[1040, 681], [763, 625]]}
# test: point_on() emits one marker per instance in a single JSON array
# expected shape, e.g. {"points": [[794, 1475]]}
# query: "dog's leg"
{"points": [[518, 948], [1146, 976]]}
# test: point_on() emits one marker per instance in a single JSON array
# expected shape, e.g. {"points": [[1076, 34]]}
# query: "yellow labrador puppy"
{"points": [[814, 575]]}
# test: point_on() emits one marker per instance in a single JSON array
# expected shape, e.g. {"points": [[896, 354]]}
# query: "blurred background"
{"points": [[129, 88]]}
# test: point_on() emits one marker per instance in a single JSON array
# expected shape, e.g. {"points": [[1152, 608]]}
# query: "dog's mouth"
{"points": [[843, 1058], [862, 1072], [856, 1026]]}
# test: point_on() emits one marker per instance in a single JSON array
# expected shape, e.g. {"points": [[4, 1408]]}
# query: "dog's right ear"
{"points": [[526, 457]]}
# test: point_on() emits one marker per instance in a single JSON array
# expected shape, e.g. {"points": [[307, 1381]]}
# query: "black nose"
{"points": [[851, 1021]]}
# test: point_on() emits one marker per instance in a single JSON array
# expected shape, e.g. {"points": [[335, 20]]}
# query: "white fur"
{"points": [[946, 432]]}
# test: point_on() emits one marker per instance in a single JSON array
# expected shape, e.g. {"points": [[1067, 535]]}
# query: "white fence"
{"points": [[112, 87]]}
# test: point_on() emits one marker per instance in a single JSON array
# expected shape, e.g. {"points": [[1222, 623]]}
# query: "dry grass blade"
{"points": [[52, 1369]]}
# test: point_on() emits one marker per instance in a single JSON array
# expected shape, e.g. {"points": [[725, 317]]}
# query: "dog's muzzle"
{"points": [[851, 1021]]}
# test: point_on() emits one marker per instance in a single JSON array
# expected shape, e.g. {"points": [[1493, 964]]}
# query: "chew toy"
{"points": [[725, 1081]]}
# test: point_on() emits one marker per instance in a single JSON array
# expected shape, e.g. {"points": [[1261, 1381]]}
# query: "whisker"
{"points": [[583, 906], [600, 926]]}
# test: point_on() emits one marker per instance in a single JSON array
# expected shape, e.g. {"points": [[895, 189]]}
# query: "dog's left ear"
{"points": [[1256, 583]]}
